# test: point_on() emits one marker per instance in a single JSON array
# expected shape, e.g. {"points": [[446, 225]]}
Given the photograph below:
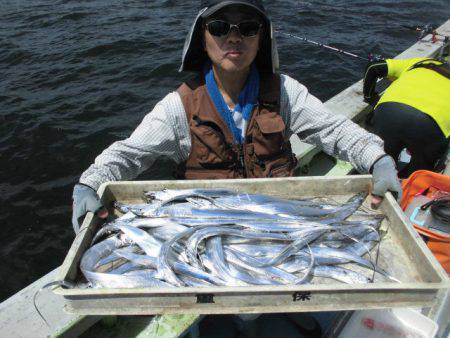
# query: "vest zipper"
{"points": [[240, 148]]}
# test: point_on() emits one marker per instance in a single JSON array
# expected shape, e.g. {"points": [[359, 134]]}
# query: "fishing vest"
{"points": [[214, 155]]}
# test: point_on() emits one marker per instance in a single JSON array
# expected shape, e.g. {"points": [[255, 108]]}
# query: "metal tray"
{"points": [[402, 253]]}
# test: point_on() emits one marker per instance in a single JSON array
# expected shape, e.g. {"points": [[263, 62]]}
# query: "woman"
{"points": [[235, 117]]}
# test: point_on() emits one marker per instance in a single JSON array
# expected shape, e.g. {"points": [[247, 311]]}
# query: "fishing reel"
{"points": [[429, 29], [375, 57], [425, 30]]}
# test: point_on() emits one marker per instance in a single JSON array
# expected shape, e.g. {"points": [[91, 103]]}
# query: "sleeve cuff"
{"points": [[91, 183], [371, 154], [373, 164]]}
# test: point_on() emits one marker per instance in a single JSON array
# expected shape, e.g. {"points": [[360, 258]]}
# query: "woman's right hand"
{"points": [[85, 199]]}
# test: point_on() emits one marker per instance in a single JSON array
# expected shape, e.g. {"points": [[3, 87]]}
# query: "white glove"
{"points": [[385, 178]]}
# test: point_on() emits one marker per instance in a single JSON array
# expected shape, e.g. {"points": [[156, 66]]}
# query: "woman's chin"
{"points": [[234, 66]]}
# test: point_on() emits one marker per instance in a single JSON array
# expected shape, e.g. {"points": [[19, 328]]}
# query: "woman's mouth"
{"points": [[233, 53]]}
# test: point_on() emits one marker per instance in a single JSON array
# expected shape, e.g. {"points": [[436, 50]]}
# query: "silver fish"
{"points": [[167, 194], [198, 236], [136, 280], [179, 267], [146, 242], [275, 206], [99, 251], [102, 249], [214, 252], [254, 264], [124, 268], [306, 237], [163, 258], [330, 256], [185, 211]]}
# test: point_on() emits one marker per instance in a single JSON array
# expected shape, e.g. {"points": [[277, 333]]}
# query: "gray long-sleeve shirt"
{"points": [[165, 132]]}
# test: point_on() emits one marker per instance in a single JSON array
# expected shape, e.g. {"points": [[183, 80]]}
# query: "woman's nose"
{"points": [[234, 35]]}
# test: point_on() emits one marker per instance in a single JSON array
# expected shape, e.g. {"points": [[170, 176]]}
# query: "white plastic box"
{"points": [[404, 323]]}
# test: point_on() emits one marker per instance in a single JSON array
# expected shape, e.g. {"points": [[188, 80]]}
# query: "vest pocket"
{"points": [[209, 144], [283, 167], [281, 171], [268, 137]]}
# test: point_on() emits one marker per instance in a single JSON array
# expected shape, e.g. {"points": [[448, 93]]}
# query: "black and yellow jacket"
{"points": [[416, 82]]}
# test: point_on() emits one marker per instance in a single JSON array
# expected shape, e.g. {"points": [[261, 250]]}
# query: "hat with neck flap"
{"points": [[194, 55]]}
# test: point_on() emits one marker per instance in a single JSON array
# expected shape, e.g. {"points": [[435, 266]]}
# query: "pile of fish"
{"points": [[204, 237]]}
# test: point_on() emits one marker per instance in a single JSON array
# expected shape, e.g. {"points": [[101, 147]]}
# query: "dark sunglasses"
{"points": [[222, 28]]}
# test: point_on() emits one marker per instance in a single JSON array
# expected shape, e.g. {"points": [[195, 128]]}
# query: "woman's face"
{"points": [[233, 52]]}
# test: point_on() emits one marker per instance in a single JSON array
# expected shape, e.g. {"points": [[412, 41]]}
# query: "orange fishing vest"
{"points": [[265, 153]]}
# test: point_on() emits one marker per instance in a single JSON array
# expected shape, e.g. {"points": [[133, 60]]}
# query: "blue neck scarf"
{"points": [[248, 98]]}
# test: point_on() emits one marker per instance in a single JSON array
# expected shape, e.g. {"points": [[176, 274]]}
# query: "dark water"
{"points": [[77, 75]]}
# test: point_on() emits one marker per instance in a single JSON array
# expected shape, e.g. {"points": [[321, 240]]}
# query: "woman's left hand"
{"points": [[385, 179]]}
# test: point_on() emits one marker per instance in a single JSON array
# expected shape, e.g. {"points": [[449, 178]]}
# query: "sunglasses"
{"points": [[222, 28]]}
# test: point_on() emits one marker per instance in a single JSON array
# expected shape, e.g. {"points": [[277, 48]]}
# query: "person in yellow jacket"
{"points": [[414, 111]]}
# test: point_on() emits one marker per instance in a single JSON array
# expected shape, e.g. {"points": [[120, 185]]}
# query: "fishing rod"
{"points": [[371, 57], [425, 30]]}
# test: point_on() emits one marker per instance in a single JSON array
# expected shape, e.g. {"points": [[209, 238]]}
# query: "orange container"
{"points": [[423, 182]]}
